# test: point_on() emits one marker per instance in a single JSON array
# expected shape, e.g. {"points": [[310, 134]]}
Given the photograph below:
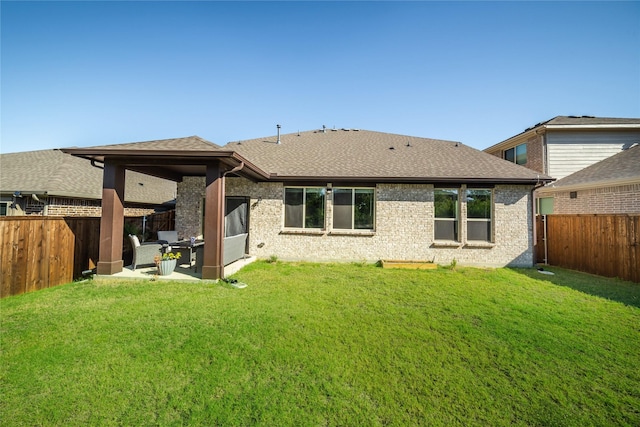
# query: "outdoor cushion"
{"points": [[144, 254], [168, 236], [134, 240]]}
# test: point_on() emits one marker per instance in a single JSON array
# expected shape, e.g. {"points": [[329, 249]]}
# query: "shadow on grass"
{"points": [[613, 289]]}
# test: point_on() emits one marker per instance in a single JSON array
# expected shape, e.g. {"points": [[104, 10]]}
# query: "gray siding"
{"points": [[568, 152]]}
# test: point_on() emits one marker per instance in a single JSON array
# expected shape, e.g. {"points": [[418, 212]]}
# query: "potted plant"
{"points": [[167, 262]]}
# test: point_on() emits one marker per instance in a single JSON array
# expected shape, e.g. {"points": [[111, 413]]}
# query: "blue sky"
{"points": [[95, 73]]}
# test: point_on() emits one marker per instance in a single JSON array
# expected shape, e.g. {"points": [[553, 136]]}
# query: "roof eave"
{"points": [[589, 185], [232, 158], [411, 180], [595, 126], [523, 136]]}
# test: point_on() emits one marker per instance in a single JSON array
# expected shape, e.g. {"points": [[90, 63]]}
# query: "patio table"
{"points": [[188, 249]]}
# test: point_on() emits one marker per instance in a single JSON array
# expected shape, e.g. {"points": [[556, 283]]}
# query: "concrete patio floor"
{"points": [[182, 272]]}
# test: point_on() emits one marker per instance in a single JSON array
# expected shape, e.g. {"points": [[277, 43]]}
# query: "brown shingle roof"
{"points": [[360, 154], [571, 123], [590, 120], [189, 143], [58, 174]]}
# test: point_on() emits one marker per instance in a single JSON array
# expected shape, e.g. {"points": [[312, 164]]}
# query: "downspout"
{"points": [[546, 247], [234, 170], [533, 216], [45, 204], [93, 163]]}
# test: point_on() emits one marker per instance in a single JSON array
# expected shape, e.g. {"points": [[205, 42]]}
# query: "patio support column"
{"points": [[213, 267], [112, 221]]}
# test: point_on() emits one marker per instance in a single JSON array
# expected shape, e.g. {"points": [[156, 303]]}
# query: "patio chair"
{"points": [[144, 254]]}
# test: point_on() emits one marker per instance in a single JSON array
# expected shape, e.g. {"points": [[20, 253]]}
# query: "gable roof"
{"points": [[571, 123], [619, 169], [320, 155], [188, 143], [169, 158], [344, 154], [54, 173], [590, 121]]}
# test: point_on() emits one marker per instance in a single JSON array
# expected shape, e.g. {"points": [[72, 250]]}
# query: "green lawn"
{"points": [[319, 344]]}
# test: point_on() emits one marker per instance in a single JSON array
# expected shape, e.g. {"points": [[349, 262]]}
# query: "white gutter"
{"points": [[601, 126]]}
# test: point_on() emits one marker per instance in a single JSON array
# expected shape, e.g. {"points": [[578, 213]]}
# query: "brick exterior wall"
{"points": [[404, 226], [535, 148], [189, 206], [623, 199], [535, 158], [62, 206]]}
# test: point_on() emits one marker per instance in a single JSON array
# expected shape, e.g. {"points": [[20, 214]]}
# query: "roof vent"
{"points": [[278, 142], [324, 129]]}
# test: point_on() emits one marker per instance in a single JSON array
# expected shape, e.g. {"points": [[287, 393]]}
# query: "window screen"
{"points": [[353, 209], [304, 207], [479, 207], [446, 214]]}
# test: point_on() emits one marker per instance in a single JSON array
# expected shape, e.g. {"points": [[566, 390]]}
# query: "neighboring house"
{"points": [[53, 183], [566, 144], [334, 195], [610, 186]]}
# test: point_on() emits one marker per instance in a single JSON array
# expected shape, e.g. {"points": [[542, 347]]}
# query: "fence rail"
{"points": [[606, 245], [38, 252]]}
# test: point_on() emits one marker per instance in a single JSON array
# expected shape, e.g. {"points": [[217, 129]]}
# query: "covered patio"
{"points": [[181, 272], [171, 159]]}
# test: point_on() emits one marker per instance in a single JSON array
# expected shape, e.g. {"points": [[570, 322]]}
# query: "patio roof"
{"points": [[171, 158]]}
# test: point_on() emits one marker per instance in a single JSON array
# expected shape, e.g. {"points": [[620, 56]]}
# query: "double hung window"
{"points": [[479, 209], [353, 208], [446, 214], [304, 207]]}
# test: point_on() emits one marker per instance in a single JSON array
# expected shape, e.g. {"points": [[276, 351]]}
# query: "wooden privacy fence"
{"points": [[606, 245], [39, 252]]}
